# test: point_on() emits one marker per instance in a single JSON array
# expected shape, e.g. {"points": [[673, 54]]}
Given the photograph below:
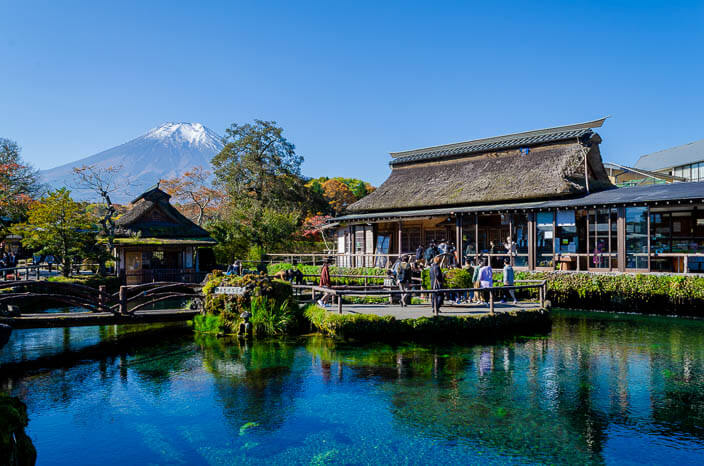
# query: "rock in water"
{"points": [[5, 331]]}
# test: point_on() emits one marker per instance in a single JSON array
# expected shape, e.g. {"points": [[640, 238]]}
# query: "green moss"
{"points": [[463, 328], [271, 303], [13, 421]]}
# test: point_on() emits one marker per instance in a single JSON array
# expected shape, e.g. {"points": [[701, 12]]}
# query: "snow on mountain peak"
{"points": [[184, 133]]}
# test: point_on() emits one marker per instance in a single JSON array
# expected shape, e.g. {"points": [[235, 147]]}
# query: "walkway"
{"points": [[78, 319], [425, 310]]}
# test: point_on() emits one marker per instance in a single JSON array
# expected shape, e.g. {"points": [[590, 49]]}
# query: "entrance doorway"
{"points": [[133, 263]]}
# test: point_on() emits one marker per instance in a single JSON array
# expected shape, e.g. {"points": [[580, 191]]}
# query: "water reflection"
{"points": [[598, 389]]}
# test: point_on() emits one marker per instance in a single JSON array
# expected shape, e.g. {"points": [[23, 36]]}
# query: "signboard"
{"points": [[230, 290]]}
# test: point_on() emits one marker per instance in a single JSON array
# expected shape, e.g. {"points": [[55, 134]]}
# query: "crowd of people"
{"points": [[435, 257], [8, 260], [444, 255]]}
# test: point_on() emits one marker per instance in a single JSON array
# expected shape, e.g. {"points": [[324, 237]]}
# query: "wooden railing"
{"points": [[540, 285]]}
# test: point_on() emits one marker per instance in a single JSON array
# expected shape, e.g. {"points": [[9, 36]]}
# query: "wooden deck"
{"points": [[425, 310], [81, 319]]}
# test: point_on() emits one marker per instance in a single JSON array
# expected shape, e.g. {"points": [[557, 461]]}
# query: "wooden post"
{"points": [[101, 297], [458, 240], [339, 304], [491, 300], [123, 300], [476, 234], [542, 296], [621, 236], [400, 239]]}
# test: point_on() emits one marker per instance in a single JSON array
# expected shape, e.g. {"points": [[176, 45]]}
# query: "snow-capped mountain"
{"points": [[164, 152]]}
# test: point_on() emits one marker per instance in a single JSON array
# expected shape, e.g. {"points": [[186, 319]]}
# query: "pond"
{"points": [[598, 389]]}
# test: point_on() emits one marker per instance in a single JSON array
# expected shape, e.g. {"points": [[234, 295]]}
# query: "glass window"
{"points": [[566, 232], [544, 239], [520, 236], [599, 238], [660, 223], [636, 238]]}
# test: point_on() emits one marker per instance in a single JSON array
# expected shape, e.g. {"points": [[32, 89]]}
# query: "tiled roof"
{"points": [[673, 157], [509, 141], [674, 192]]}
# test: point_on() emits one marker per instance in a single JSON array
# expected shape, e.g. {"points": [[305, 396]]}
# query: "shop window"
{"points": [[637, 237], [544, 239]]}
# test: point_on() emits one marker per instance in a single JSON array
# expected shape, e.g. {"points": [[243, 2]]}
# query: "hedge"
{"points": [[315, 270], [639, 293]]}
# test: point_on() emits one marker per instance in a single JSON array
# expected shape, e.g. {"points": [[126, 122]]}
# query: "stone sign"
{"points": [[231, 290]]}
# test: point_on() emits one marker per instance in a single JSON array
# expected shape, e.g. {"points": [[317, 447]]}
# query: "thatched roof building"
{"points": [[155, 242], [151, 215], [543, 164]]}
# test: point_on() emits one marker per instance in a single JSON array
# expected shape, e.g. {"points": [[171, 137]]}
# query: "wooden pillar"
{"points": [[648, 228], [476, 234], [621, 234], [531, 240], [400, 239], [554, 239], [491, 300], [458, 236]]}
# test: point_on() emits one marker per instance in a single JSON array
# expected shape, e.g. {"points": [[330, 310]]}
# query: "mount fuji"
{"points": [[163, 152]]}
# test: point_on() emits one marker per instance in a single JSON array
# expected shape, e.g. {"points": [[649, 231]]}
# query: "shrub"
{"points": [[271, 303], [94, 281], [314, 270]]}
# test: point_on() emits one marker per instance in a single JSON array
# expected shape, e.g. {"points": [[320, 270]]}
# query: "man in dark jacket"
{"points": [[403, 278], [419, 252], [436, 283]]}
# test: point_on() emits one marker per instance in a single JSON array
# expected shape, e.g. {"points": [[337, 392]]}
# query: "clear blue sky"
{"points": [[349, 82]]}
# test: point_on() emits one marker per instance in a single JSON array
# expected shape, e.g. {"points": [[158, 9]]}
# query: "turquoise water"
{"points": [[597, 389]]}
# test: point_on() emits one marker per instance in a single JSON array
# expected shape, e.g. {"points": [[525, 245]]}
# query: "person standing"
{"points": [[508, 280], [486, 280], [403, 278], [430, 254], [436, 283], [324, 283], [419, 252], [475, 280], [511, 250]]}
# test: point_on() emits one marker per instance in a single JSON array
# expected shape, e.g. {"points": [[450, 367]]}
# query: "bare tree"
{"points": [[103, 181], [194, 194]]}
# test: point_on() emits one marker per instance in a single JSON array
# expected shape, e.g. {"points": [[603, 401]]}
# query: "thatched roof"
{"points": [[152, 216], [515, 168]]}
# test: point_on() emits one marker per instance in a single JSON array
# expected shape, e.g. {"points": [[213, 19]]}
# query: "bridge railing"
{"points": [[126, 301]]}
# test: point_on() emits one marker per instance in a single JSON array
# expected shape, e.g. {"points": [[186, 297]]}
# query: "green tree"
{"points": [[60, 226], [261, 173], [257, 164]]}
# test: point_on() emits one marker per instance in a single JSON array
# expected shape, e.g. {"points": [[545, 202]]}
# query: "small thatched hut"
{"points": [[155, 242]]}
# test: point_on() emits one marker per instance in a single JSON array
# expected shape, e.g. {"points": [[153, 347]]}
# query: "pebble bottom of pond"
{"points": [[598, 389]]}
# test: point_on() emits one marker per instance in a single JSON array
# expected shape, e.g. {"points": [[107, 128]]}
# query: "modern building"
{"points": [[155, 242], [686, 162], [547, 189]]}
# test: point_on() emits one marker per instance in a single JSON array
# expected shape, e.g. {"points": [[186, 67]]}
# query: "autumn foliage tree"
{"points": [[18, 183], [194, 194], [338, 195]]}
